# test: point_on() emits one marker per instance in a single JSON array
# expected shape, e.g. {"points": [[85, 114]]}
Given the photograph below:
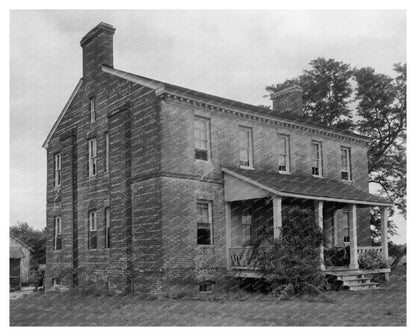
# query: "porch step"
{"points": [[354, 277], [364, 286], [358, 282]]}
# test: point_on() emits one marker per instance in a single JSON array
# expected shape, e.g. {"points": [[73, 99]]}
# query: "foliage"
{"points": [[327, 92], [337, 256], [35, 238], [382, 116], [294, 258], [371, 260]]}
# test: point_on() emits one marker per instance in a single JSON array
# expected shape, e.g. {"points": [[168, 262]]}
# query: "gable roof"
{"points": [[164, 87], [308, 187], [21, 242], [61, 115]]}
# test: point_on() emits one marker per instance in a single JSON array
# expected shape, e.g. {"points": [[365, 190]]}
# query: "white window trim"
{"points": [[320, 159], [250, 147], [107, 153], [57, 170], [211, 227], [207, 123], [107, 227], [92, 109], [92, 227], [92, 157], [288, 166], [349, 168], [57, 228]]}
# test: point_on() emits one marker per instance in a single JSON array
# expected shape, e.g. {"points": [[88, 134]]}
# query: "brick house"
{"points": [[154, 187]]}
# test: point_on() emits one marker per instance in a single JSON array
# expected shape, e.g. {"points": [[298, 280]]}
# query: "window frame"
{"points": [[210, 222], [57, 233], [57, 170], [347, 150], [207, 128], [92, 230], [319, 159], [92, 157], [286, 154], [106, 152], [107, 228], [250, 154], [93, 110], [247, 225]]}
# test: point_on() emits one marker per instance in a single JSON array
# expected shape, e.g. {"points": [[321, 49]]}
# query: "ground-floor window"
{"points": [[92, 230], [204, 223], [206, 287], [57, 237]]}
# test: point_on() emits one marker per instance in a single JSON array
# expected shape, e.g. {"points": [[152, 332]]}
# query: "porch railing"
{"points": [[362, 250]]}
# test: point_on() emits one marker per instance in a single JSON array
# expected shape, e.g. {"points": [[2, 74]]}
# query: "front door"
{"points": [[342, 229]]}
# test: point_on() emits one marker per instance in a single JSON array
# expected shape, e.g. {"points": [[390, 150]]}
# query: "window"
{"points": [[92, 110], [92, 157], [107, 152], [246, 222], [316, 158], [202, 140], [345, 164], [246, 147], [107, 228], [57, 236], [206, 286], [204, 223], [57, 170], [283, 150], [92, 230]]}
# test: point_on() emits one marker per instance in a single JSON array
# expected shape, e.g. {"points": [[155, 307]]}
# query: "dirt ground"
{"points": [[383, 307]]}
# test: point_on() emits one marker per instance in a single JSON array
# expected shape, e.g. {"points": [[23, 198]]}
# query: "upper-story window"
{"points": [[92, 230], [316, 158], [92, 157], [57, 236], [57, 170], [246, 147], [107, 153], [202, 138], [204, 223], [284, 154], [92, 110], [346, 164], [107, 227]]}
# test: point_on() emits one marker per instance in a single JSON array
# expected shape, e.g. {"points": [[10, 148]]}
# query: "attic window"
{"points": [[206, 287], [92, 110]]}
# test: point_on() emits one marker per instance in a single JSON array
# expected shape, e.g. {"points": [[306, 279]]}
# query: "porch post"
{"points": [[228, 233], [319, 220], [277, 216], [352, 218], [384, 241]]}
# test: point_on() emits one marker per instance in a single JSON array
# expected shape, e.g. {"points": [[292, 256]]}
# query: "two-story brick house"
{"points": [[153, 186]]}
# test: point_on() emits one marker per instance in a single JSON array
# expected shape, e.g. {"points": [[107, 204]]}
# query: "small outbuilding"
{"points": [[20, 254]]}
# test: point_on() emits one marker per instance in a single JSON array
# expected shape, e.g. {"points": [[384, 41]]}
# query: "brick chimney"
{"points": [[288, 101], [97, 49]]}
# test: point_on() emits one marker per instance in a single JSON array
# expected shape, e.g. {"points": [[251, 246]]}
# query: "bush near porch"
{"points": [[293, 259]]}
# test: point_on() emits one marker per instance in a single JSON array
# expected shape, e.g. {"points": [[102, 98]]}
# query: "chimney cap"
{"points": [[101, 27], [291, 89]]}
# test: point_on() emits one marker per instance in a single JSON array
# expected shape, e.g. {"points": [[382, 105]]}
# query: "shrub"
{"points": [[337, 256], [294, 258], [371, 260]]}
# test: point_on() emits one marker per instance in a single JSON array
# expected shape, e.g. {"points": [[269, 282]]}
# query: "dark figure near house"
{"points": [[40, 284]]}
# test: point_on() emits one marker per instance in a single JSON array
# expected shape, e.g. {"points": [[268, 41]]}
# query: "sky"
{"points": [[233, 54]]}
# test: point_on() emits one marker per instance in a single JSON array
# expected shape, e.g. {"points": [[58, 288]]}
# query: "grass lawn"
{"points": [[383, 307]]}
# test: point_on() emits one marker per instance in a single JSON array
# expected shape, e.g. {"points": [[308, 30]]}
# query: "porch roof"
{"points": [[308, 187]]}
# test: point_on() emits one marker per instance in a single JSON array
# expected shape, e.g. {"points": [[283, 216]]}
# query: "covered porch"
{"points": [[255, 201]]}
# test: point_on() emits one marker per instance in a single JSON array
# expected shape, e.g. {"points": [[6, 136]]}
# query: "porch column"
{"points": [[277, 216], [352, 218], [228, 233], [319, 220], [384, 241]]}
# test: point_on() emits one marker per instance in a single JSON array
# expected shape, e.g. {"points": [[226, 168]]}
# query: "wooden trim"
{"points": [[286, 194], [61, 115]]}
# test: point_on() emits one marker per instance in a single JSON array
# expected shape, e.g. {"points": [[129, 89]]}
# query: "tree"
{"points": [[327, 92], [34, 238], [382, 117]]}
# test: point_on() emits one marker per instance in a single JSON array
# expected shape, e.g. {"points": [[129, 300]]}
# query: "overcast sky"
{"points": [[233, 54]]}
